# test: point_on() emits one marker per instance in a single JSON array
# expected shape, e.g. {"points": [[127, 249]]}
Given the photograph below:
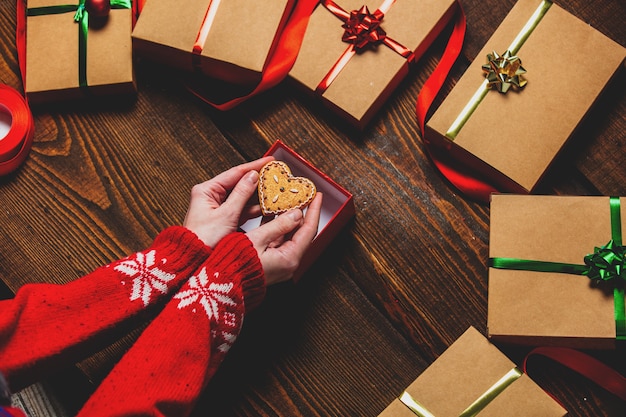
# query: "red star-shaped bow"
{"points": [[362, 29]]}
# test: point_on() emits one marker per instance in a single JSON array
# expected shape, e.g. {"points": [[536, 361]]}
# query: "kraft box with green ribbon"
{"points": [[72, 55], [473, 378], [523, 96], [556, 275]]}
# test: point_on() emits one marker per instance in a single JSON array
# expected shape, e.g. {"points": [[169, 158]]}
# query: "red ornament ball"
{"points": [[98, 8]]}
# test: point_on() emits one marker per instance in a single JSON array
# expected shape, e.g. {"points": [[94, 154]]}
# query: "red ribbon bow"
{"points": [[362, 28]]}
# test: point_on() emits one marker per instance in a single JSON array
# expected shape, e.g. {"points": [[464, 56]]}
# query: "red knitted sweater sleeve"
{"points": [[165, 371], [46, 327]]}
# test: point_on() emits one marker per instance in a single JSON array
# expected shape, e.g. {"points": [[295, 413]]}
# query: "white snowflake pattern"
{"points": [[146, 276], [210, 296], [229, 340]]}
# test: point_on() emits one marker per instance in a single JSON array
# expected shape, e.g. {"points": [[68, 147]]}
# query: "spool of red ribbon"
{"points": [[16, 144]]}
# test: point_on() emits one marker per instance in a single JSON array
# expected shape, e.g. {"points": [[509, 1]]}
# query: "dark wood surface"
{"points": [[392, 292]]}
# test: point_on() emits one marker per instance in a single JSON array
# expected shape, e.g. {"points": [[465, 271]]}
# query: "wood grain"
{"points": [[392, 292]]}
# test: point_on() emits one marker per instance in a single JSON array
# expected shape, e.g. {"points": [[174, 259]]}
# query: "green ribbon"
{"points": [[606, 263], [81, 16], [474, 408]]}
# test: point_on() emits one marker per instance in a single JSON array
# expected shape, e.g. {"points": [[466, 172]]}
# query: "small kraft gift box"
{"points": [[523, 96], [556, 275], [355, 52], [337, 203], [72, 54], [229, 40], [473, 378]]}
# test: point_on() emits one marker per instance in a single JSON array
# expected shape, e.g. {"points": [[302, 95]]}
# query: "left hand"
{"points": [[219, 206]]}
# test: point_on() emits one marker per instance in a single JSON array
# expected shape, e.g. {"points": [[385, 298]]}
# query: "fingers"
{"points": [[282, 242], [305, 234], [272, 231], [241, 193], [227, 180]]}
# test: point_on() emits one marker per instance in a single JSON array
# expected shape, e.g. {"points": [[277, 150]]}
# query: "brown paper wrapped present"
{"points": [[547, 285], [228, 40], [70, 56], [368, 78], [472, 377], [526, 92]]}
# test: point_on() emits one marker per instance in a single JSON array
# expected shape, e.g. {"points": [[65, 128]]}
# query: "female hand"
{"points": [[282, 242], [218, 206]]}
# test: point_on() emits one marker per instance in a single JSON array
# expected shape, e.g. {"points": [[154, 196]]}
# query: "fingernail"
{"points": [[295, 215], [252, 176]]}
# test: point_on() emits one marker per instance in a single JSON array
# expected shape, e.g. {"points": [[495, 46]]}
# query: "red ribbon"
{"points": [[280, 61], [461, 177], [137, 8], [16, 145], [207, 22], [362, 30], [585, 365]]}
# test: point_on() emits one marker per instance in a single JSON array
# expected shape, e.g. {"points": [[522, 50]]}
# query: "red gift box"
{"points": [[337, 204]]}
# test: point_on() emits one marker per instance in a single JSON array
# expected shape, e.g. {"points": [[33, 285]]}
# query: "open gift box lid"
{"points": [[337, 205]]}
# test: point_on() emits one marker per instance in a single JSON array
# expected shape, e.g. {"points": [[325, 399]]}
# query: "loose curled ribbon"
{"points": [[606, 264], [361, 31], [81, 17], [585, 365], [279, 63]]}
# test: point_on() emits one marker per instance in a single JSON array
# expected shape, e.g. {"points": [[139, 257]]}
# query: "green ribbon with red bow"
{"points": [[81, 17], [606, 263]]}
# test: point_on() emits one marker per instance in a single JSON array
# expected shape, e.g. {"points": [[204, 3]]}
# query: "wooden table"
{"points": [[391, 293]]}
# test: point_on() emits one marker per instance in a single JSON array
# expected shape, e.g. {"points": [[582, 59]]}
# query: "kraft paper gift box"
{"points": [[337, 204], [574, 308], [59, 66], [513, 137], [228, 40], [473, 376], [369, 77]]}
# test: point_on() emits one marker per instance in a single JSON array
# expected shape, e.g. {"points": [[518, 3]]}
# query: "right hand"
{"points": [[282, 242]]}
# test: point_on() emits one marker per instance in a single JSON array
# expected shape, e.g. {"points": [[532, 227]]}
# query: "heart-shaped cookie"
{"points": [[279, 191]]}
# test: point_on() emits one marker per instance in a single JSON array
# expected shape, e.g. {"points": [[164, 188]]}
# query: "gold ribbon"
{"points": [[476, 407], [482, 91]]}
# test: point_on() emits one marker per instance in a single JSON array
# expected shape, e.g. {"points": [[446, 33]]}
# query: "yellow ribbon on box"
{"points": [[511, 53], [474, 408]]}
